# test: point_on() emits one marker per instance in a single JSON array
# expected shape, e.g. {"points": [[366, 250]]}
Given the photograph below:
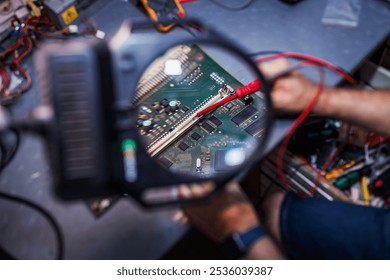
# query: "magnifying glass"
{"points": [[180, 128], [141, 115]]}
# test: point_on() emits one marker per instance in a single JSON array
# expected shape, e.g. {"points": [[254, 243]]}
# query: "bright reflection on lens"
{"points": [[185, 80], [173, 67], [235, 157]]}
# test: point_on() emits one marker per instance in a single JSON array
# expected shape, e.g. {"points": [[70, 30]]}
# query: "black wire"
{"points": [[189, 29], [5, 157], [50, 218], [243, 6], [3, 152], [263, 53]]}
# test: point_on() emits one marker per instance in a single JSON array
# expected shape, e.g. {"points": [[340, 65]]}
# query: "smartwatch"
{"points": [[236, 246]]}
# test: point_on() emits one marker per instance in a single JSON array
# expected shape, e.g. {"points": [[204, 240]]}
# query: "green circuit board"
{"points": [[168, 104]]}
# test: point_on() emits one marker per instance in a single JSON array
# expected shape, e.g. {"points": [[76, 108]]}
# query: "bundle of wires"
{"points": [[8, 149], [157, 10], [167, 14], [320, 64], [11, 58]]}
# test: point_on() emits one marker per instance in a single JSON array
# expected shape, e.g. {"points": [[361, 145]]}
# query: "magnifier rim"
{"points": [[257, 153]]}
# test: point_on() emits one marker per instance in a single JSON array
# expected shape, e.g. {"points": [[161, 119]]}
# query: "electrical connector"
{"points": [[73, 29], [100, 34]]}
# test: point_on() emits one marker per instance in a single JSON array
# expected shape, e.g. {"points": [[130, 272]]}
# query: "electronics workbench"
{"points": [[125, 230]]}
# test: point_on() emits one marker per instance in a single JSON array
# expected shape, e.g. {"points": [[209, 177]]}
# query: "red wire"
{"points": [[4, 80], [312, 59], [292, 129], [319, 62]]}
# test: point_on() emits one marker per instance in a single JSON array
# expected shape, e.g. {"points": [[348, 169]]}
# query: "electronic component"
{"points": [[206, 126], [157, 107], [146, 125], [170, 107], [61, 12], [10, 11], [164, 102], [185, 109], [195, 136], [165, 162], [183, 146], [245, 114], [198, 165], [220, 161], [173, 105], [255, 128], [216, 77], [229, 106], [247, 99], [217, 122]]}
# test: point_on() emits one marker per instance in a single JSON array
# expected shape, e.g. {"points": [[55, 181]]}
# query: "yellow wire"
{"points": [[153, 15], [365, 191]]}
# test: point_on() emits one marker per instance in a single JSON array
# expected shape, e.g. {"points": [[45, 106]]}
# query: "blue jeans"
{"points": [[314, 228]]}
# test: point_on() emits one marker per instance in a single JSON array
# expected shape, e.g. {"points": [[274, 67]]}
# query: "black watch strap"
{"points": [[235, 246]]}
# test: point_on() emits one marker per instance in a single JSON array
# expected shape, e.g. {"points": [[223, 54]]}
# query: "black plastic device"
{"points": [[94, 144]]}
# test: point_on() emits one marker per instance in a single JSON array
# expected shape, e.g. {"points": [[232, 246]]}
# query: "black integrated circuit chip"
{"points": [[185, 109], [164, 102], [183, 146], [229, 106], [256, 127], [215, 121], [220, 162], [165, 162], [196, 136], [206, 126], [244, 115]]}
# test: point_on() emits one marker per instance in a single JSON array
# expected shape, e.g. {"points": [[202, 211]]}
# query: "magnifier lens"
{"points": [[184, 81]]}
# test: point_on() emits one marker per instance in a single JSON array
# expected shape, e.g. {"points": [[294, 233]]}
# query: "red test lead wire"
{"points": [[253, 87], [311, 59], [295, 125], [241, 92]]}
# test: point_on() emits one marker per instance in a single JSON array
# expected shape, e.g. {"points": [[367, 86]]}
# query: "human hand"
{"points": [[227, 213], [291, 93]]}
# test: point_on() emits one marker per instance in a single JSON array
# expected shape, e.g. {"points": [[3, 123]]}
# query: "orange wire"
{"points": [[153, 15]]}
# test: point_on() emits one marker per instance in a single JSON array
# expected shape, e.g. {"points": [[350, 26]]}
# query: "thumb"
{"points": [[270, 68]]}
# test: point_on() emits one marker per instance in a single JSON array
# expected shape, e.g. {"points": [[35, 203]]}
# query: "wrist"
{"points": [[264, 249], [323, 105], [239, 244], [238, 219]]}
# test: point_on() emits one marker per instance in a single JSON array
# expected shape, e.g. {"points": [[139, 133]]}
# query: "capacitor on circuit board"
{"points": [[146, 125], [198, 165]]}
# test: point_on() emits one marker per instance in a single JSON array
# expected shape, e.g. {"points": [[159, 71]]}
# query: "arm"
{"points": [[369, 109], [366, 108]]}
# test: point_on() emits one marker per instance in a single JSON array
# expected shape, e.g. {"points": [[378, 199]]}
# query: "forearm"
{"points": [[369, 109]]}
